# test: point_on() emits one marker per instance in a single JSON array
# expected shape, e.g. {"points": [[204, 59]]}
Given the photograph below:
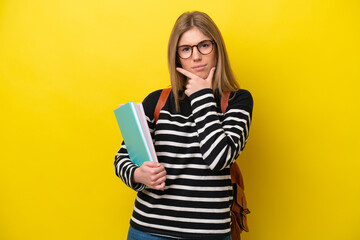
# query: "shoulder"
{"points": [[241, 98], [152, 97], [242, 95], [150, 101]]}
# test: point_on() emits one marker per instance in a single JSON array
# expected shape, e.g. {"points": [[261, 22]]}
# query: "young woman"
{"points": [[189, 192]]}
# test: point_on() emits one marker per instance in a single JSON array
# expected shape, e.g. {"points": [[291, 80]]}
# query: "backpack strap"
{"points": [[161, 102]]}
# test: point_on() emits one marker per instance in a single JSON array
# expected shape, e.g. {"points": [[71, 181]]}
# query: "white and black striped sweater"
{"points": [[196, 146]]}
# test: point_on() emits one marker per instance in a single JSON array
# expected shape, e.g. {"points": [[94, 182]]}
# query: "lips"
{"points": [[199, 67]]}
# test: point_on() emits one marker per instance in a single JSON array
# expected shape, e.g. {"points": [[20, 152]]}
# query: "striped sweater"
{"points": [[197, 147]]}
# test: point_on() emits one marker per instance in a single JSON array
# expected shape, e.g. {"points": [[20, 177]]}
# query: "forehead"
{"points": [[192, 37]]}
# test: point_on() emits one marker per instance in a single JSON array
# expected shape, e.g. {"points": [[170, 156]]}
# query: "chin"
{"points": [[202, 74]]}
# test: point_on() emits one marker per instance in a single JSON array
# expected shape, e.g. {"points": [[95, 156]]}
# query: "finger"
{"points": [[186, 73], [159, 180], [158, 184], [152, 164], [186, 92], [211, 74], [161, 174], [159, 169], [147, 164], [160, 187]]}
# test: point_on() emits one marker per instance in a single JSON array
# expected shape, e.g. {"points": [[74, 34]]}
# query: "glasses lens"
{"points": [[184, 51], [205, 47]]}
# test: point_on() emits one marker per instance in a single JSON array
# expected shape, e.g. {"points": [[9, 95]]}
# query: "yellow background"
{"points": [[66, 64]]}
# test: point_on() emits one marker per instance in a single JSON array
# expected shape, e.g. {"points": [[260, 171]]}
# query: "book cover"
{"points": [[135, 132]]}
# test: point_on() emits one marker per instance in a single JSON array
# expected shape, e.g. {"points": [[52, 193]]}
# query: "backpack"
{"points": [[238, 207]]}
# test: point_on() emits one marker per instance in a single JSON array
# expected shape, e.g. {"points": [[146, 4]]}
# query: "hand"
{"points": [[152, 174], [196, 83]]}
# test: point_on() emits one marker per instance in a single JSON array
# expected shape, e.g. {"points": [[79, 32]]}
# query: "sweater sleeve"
{"points": [[124, 167], [221, 142]]}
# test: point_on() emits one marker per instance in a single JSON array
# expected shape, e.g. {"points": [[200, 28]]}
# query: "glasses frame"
{"points": [[213, 43]]}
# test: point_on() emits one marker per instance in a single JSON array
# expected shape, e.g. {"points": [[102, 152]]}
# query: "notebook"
{"points": [[135, 132]]}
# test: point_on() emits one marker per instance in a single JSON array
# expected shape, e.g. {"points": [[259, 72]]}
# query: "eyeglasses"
{"points": [[204, 47]]}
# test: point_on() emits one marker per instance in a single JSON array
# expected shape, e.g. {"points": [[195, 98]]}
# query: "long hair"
{"points": [[224, 79]]}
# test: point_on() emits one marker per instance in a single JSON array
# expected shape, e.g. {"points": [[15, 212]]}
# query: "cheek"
{"points": [[214, 60], [185, 64]]}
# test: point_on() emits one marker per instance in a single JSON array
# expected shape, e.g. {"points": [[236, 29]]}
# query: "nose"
{"points": [[196, 55]]}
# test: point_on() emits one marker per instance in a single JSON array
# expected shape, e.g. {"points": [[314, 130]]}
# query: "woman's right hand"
{"points": [[152, 174]]}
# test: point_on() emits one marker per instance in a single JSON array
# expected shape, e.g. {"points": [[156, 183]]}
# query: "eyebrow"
{"points": [[194, 44]]}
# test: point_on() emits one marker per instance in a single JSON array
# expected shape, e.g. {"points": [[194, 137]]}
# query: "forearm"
{"points": [[220, 141], [125, 169]]}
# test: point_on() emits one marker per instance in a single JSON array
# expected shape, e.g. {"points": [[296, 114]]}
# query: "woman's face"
{"points": [[197, 63]]}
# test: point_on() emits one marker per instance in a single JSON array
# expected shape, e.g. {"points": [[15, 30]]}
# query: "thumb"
{"points": [[155, 164], [211, 75]]}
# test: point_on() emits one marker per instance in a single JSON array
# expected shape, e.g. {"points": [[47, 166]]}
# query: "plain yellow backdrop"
{"points": [[65, 65]]}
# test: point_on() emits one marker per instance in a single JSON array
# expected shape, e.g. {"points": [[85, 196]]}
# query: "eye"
{"points": [[185, 49], [205, 44]]}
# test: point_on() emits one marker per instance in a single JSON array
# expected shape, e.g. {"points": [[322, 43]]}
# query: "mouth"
{"points": [[199, 67]]}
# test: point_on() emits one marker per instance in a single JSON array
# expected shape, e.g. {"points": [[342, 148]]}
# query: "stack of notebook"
{"points": [[135, 132]]}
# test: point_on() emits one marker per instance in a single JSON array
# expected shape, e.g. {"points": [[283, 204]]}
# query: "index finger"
{"points": [[186, 73], [158, 169]]}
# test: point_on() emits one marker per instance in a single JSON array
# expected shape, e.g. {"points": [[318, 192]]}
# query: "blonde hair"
{"points": [[224, 80]]}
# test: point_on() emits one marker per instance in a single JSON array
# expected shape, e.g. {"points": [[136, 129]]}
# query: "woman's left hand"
{"points": [[196, 83]]}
